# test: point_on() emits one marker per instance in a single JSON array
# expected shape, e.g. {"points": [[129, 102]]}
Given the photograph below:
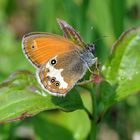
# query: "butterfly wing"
{"points": [[71, 33], [39, 47], [58, 78]]}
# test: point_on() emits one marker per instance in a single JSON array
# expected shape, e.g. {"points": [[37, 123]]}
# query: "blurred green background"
{"points": [[93, 19]]}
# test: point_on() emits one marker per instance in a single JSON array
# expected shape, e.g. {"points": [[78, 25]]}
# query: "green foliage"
{"points": [[70, 125], [123, 67], [20, 97], [76, 116]]}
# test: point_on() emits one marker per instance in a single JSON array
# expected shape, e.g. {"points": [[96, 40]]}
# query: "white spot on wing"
{"points": [[52, 93], [49, 83], [56, 73]]}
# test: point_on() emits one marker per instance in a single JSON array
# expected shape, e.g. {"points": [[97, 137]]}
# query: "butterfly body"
{"points": [[60, 62]]}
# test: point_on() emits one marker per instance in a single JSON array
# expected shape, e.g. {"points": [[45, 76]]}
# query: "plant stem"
{"points": [[93, 130], [94, 112], [89, 114], [84, 82]]}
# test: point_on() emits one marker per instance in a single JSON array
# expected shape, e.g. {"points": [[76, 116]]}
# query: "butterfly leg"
{"points": [[97, 66], [94, 61], [95, 76]]}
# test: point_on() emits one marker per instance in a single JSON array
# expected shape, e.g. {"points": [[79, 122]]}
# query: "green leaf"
{"points": [[123, 68], [50, 131], [77, 122], [107, 93], [21, 96]]}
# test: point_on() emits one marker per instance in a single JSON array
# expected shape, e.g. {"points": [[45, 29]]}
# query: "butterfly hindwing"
{"points": [[60, 77]]}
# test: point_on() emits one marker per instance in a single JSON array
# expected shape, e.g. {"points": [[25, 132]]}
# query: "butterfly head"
{"points": [[90, 48], [88, 54]]}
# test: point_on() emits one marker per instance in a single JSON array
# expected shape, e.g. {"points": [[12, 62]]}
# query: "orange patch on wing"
{"points": [[39, 47]]}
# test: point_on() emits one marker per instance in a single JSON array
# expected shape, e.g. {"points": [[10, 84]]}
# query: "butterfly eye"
{"points": [[57, 84], [53, 62], [53, 80]]}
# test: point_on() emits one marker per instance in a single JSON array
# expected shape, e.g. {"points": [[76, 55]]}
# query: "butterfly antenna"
{"points": [[100, 38], [92, 28]]}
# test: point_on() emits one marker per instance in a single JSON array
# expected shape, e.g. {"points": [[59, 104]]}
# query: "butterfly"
{"points": [[60, 61]]}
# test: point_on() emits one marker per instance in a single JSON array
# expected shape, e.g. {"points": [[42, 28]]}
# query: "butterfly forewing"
{"points": [[39, 47], [71, 33]]}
